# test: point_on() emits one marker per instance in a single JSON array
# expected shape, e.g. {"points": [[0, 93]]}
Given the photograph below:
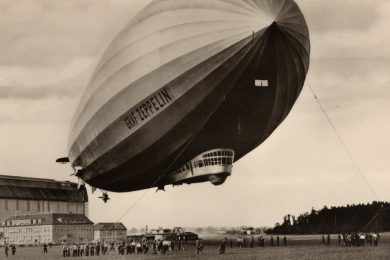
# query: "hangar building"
{"points": [[28, 196], [110, 232]]}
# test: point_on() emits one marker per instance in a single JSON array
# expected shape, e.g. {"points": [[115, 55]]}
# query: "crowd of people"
{"points": [[76, 250], [143, 246], [354, 239], [251, 241]]}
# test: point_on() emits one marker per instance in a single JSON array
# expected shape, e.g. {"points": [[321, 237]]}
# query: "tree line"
{"points": [[371, 217]]}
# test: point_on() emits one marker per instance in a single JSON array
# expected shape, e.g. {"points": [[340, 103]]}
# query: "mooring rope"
{"points": [[358, 171]]}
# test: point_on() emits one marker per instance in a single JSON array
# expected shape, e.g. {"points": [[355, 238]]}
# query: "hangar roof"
{"points": [[15, 187], [109, 226]]}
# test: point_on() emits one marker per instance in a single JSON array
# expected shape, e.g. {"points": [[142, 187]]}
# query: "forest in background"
{"points": [[372, 217]]}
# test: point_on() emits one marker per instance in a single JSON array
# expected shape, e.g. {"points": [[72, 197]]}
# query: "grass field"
{"points": [[291, 253]]}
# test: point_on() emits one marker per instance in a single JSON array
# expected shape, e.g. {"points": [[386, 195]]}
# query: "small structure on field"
{"points": [[109, 232], [50, 228]]}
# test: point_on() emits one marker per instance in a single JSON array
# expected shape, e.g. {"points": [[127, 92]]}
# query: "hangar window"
{"points": [[261, 83]]}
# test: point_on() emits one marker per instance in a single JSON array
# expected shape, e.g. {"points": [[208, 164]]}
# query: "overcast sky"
{"points": [[48, 50]]}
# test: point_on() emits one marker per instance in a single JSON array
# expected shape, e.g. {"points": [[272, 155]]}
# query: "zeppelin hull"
{"points": [[185, 119], [183, 79]]}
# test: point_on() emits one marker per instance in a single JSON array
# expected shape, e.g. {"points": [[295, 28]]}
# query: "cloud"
{"points": [[343, 83], [49, 111], [23, 83], [343, 15], [348, 29], [24, 76], [47, 33], [36, 93], [50, 48]]}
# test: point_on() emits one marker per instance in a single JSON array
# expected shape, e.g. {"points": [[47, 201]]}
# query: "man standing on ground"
{"points": [[6, 250], [222, 247], [197, 246]]}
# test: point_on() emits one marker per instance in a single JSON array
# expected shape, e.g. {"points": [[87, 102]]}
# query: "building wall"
{"points": [[73, 233], [32, 235], [29, 235], [96, 235], [86, 209], [13, 207], [110, 235]]}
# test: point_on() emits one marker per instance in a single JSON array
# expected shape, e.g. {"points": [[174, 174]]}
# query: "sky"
{"points": [[48, 50]]}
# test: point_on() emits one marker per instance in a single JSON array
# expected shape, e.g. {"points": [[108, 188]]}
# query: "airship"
{"points": [[186, 89]]}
